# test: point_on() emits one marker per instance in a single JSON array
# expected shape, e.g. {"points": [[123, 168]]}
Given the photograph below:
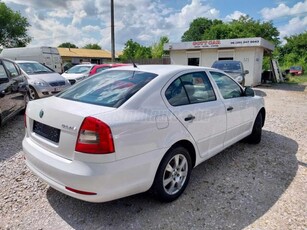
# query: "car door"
{"points": [[191, 98], [5, 104], [239, 108], [12, 89]]}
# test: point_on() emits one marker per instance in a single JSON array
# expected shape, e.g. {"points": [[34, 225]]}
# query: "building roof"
{"points": [[84, 53]]}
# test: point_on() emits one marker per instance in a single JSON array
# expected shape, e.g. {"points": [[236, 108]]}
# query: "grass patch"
{"points": [[297, 79]]}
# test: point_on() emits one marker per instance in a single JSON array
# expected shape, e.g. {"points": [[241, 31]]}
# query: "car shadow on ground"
{"points": [[8, 132], [228, 191], [284, 86]]}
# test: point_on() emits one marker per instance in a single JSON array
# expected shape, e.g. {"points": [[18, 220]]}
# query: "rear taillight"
{"points": [[94, 137]]}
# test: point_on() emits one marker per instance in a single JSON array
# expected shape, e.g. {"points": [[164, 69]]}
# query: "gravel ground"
{"points": [[245, 187]]}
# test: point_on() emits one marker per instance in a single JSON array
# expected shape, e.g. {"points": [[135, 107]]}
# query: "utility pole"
{"points": [[112, 31]]}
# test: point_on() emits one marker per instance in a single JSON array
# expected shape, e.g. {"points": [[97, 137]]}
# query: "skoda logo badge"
{"points": [[41, 113]]}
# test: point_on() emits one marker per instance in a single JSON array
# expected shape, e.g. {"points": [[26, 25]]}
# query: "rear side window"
{"points": [[14, 71], [3, 74], [111, 88]]}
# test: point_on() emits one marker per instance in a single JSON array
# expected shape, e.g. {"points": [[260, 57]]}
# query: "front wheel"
{"points": [[172, 175], [32, 93]]}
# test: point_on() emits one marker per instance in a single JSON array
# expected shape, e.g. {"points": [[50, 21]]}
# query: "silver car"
{"points": [[42, 81], [234, 68]]}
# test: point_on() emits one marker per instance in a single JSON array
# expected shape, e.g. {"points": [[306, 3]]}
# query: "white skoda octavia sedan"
{"points": [[130, 129]]}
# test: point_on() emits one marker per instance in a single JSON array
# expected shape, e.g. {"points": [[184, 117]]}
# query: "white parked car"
{"points": [[130, 129], [43, 81], [78, 72]]}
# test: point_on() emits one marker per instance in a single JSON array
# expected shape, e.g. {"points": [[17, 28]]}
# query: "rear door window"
{"points": [[3, 74], [190, 88], [11, 67]]}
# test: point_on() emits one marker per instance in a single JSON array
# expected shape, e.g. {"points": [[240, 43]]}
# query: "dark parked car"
{"points": [[234, 68], [13, 90]]}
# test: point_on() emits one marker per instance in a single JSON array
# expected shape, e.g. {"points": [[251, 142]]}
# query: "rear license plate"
{"points": [[46, 131]]}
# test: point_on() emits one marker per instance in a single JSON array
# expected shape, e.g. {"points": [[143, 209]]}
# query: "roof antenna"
{"points": [[134, 65]]}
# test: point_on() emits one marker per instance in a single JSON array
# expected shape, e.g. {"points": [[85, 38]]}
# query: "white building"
{"points": [[249, 51]]}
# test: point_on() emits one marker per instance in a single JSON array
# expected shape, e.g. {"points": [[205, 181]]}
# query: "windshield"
{"points": [[111, 88], [295, 68], [79, 69], [228, 66], [34, 68]]}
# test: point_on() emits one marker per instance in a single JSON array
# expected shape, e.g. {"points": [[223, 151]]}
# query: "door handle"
{"points": [[189, 117], [229, 108]]}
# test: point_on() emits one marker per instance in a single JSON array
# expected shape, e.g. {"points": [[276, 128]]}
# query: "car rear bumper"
{"points": [[108, 181]]}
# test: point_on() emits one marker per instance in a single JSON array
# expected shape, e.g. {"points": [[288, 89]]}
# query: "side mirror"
{"points": [[249, 92], [246, 72]]}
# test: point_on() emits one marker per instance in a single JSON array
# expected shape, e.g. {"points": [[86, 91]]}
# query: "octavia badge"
{"points": [[41, 113]]}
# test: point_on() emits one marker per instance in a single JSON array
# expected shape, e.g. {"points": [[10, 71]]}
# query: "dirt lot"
{"points": [[244, 187]]}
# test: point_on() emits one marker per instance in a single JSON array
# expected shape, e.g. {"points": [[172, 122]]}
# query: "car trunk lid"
{"points": [[54, 123]]}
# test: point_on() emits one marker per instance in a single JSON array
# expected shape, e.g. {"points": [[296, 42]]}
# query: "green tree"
{"points": [[92, 46], [157, 50], [197, 28], [13, 28], [294, 52], [68, 45], [218, 31], [134, 50], [244, 27]]}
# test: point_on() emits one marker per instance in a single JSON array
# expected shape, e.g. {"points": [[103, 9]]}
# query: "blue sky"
{"points": [[145, 21]]}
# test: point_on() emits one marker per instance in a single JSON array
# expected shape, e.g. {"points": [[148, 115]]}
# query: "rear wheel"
{"points": [[255, 136], [173, 175]]}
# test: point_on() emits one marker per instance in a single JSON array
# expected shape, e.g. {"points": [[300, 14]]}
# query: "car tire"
{"points": [[32, 93], [173, 175], [255, 136], [26, 101]]}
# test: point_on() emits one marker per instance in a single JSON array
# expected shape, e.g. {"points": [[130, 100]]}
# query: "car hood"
{"points": [[47, 77], [74, 75], [233, 74]]}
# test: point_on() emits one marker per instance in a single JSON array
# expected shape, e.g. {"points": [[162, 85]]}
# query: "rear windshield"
{"points": [[109, 88], [295, 68]]}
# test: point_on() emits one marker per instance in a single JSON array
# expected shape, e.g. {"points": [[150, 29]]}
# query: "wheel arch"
{"points": [[263, 114], [188, 146]]}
